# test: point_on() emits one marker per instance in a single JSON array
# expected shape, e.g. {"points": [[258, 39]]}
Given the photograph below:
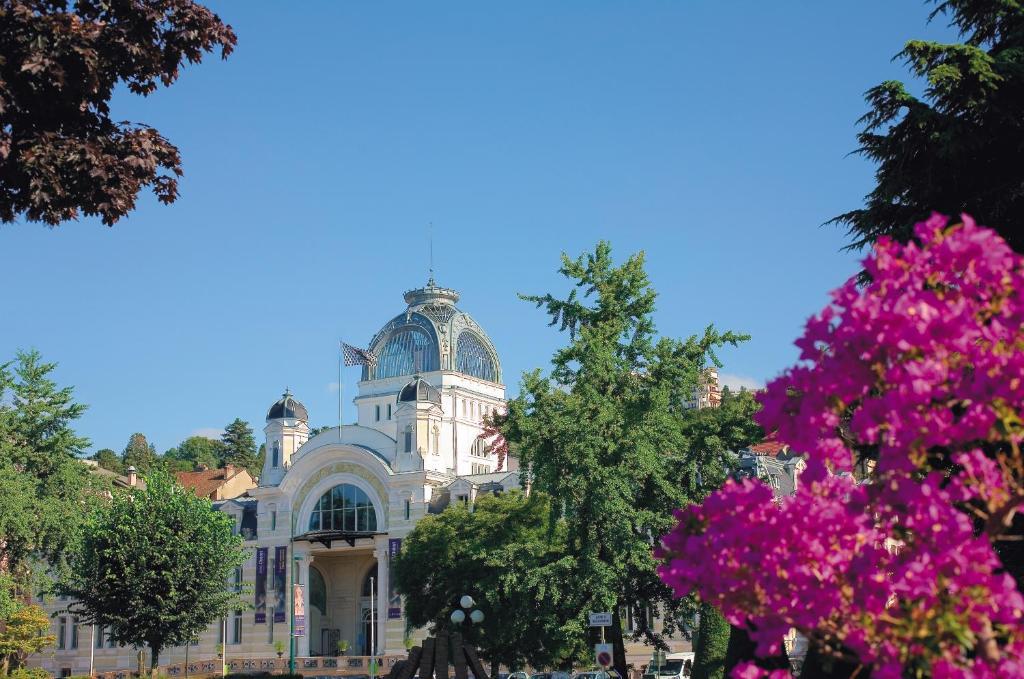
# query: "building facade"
{"points": [[331, 510]]}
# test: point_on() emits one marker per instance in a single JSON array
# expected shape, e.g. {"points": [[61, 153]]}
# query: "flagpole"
{"points": [[341, 361]]}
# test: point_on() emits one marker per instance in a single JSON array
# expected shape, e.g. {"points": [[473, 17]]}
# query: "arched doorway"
{"points": [[321, 641], [367, 612]]}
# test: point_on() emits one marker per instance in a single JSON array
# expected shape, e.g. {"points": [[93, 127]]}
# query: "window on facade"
{"points": [[479, 448], [408, 439], [273, 519], [389, 411], [408, 351], [464, 499], [463, 407], [473, 358], [408, 509], [62, 633], [101, 633], [344, 507], [238, 580], [275, 456], [376, 413], [74, 632], [437, 440], [236, 628]]}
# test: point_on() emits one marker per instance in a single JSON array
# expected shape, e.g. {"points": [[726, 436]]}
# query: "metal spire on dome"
{"points": [[430, 238]]}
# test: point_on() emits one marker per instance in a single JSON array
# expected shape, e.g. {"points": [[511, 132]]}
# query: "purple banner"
{"points": [[394, 598], [261, 585], [280, 565]]}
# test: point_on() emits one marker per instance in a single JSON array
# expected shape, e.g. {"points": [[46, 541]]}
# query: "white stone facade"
{"points": [[416, 447]]}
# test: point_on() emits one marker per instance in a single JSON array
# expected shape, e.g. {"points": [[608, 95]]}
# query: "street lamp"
{"points": [[458, 616]]}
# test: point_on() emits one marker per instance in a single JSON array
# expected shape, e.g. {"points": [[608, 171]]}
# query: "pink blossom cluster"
{"points": [[923, 368]]}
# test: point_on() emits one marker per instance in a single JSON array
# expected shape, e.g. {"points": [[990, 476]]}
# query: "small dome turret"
{"points": [[419, 390], [287, 408]]}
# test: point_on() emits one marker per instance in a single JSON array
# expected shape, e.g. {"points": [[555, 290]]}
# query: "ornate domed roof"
{"points": [[433, 334], [287, 407], [419, 390]]}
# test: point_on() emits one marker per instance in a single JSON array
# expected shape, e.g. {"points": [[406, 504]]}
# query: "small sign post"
{"points": [[601, 620], [603, 654]]}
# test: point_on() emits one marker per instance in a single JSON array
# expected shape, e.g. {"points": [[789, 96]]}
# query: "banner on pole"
{"points": [[394, 598], [261, 585], [299, 611], [280, 570]]}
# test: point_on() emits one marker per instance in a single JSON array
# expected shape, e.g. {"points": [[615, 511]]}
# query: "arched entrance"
{"points": [[321, 641], [368, 613]]}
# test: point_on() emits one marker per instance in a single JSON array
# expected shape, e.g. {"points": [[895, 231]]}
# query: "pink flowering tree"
{"points": [[899, 553]]}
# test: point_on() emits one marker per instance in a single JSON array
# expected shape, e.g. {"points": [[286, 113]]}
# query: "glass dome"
{"points": [[433, 334], [408, 351]]}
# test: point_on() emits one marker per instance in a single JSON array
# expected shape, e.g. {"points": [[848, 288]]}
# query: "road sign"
{"points": [[600, 619], [603, 653]]}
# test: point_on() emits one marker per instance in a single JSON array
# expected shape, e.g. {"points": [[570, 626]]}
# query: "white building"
{"points": [[330, 510]]}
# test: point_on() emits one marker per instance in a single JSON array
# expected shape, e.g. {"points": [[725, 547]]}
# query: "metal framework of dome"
{"points": [[419, 390], [433, 334], [287, 407]]}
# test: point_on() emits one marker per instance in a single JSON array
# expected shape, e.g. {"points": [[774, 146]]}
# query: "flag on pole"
{"points": [[356, 356]]}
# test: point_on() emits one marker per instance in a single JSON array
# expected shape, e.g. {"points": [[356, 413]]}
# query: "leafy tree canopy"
{"points": [[508, 555], [140, 453], [240, 446], [956, 149], [153, 566], [44, 488], [109, 459], [603, 435], [199, 451], [61, 153]]}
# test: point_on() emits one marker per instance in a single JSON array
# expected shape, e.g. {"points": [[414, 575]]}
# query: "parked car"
{"points": [[598, 673], [519, 675], [677, 666]]}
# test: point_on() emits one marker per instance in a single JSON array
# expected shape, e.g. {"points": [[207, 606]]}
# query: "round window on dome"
{"points": [[473, 358]]}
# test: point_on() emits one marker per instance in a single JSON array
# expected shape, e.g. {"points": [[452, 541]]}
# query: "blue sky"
{"points": [[714, 136]]}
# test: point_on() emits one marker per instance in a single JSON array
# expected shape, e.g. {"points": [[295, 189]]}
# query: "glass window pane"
{"points": [[473, 358], [314, 521]]}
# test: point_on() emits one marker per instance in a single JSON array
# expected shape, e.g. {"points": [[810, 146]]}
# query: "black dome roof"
{"points": [[419, 390], [287, 407]]}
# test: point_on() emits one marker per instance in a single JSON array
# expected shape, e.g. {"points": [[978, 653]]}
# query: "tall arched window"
{"points": [[317, 590], [344, 507], [473, 358], [408, 351]]}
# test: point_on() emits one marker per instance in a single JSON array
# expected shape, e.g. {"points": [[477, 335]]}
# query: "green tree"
{"points": [[601, 435], [153, 566], [109, 459], [199, 451], [712, 643], [35, 416], [139, 453], [61, 153], [956, 149], [24, 631], [43, 486], [507, 554], [240, 446]]}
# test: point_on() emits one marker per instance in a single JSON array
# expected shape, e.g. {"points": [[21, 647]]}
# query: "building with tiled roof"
{"points": [[218, 484]]}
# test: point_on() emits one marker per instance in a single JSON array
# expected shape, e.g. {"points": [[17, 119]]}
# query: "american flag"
{"points": [[356, 356]]}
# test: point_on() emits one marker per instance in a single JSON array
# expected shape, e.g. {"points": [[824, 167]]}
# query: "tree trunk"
{"points": [[154, 660], [711, 644], [618, 644]]}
